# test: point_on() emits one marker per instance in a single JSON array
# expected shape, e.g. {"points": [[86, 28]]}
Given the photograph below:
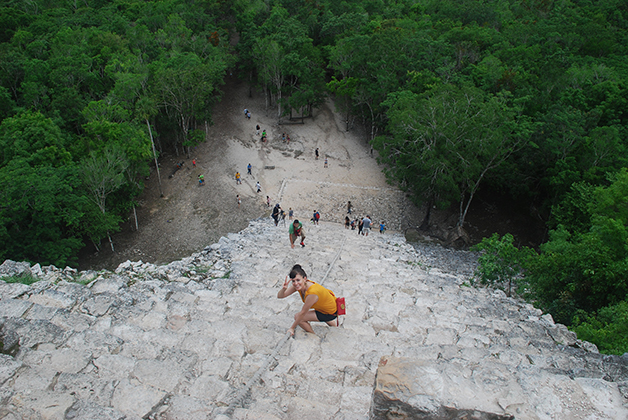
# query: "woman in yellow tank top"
{"points": [[319, 304]]}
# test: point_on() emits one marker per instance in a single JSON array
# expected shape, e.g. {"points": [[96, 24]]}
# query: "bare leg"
{"points": [[305, 324], [307, 327]]}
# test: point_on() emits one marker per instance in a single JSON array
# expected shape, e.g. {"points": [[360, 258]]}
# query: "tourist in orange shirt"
{"points": [[319, 304]]}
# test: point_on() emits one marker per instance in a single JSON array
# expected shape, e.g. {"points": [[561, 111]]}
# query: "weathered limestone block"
{"points": [[41, 312], [12, 290], [441, 336], [355, 397], [208, 388], [408, 326], [186, 407], [14, 308], [246, 414], [72, 320], [89, 410], [320, 391], [9, 340], [125, 266], [12, 268], [558, 396], [387, 322], [36, 332], [414, 389], [126, 332], [249, 365], [87, 276], [303, 409], [180, 307], [218, 366], [150, 321], [8, 367], [177, 321], [133, 398], [358, 376], [112, 284], [58, 360], [606, 396], [53, 298], [473, 340], [488, 390], [562, 335], [156, 341], [41, 286], [111, 366], [229, 340], [259, 339], [157, 374], [47, 404], [97, 342], [33, 379], [86, 386]]}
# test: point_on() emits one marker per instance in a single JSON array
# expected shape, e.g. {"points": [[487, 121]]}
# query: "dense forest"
{"points": [[525, 98]]}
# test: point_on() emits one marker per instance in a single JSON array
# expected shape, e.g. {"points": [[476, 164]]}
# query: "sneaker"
{"points": [[302, 245]]}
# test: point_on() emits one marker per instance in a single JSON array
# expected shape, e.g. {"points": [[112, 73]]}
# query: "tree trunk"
{"points": [[135, 214], [425, 224], [251, 84], [279, 104], [161, 193], [110, 242]]}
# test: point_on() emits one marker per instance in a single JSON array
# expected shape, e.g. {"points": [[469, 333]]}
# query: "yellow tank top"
{"points": [[326, 299]]}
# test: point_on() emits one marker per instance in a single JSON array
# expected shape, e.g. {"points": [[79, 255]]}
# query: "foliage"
{"points": [[446, 140], [586, 270], [501, 264], [607, 329], [41, 214], [185, 86], [23, 279], [104, 174]]}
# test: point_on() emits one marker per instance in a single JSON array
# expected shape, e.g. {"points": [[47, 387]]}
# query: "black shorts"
{"points": [[325, 317]]}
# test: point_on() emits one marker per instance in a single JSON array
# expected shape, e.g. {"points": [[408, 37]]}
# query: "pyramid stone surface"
{"points": [[205, 337]]}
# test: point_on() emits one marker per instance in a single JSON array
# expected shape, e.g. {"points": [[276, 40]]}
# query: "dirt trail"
{"points": [[190, 217]]}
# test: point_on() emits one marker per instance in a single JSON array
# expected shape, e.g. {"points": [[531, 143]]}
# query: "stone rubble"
{"points": [[183, 340]]}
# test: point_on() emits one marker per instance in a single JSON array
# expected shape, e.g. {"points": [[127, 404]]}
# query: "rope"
{"points": [[334, 260], [241, 395], [239, 398]]}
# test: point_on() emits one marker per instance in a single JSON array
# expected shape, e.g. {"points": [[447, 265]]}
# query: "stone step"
{"points": [[205, 337]]}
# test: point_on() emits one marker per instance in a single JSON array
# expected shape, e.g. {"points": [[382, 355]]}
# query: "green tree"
{"points": [[41, 213], [607, 328], [501, 264], [32, 136], [445, 141], [42, 203], [104, 174], [586, 270], [288, 64], [187, 87]]}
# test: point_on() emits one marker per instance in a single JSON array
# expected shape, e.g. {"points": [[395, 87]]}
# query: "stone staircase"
{"points": [[205, 338]]}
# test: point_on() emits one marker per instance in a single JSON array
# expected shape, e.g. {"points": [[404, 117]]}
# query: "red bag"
{"points": [[340, 306]]}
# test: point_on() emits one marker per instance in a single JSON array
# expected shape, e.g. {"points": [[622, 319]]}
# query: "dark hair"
{"points": [[296, 222], [297, 270]]}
